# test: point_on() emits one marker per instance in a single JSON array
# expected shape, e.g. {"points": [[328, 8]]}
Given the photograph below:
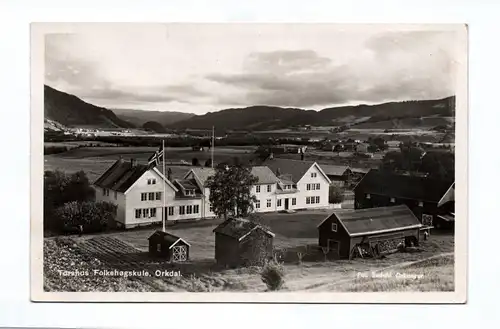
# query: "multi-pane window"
{"points": [[189, 209], [182, 210], [145, 212], [318, 186], [144, 196], [268, 203], [138, 213], [196, 209], [257, 204], [308, 187], [257, 189], [278, 203], [170, 211], [317, 199], [313, 174], [269, 188], [158, 195], [151, 195], [294, 201], [334, 227], [152, 212], [151, 181], [308, 200]]}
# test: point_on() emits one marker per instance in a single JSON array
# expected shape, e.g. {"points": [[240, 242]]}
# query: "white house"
{"points": [[137, 190]]}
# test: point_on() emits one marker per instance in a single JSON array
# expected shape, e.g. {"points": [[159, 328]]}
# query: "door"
{"points": [[179, 253], [334, 248], [286, 204]]}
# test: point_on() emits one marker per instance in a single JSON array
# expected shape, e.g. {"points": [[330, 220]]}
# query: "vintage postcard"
{"points": [[290, 163]]}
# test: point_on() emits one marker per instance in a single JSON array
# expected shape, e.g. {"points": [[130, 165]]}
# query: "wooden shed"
{"points": [[372, 231], [240, 242], [168, 246]]}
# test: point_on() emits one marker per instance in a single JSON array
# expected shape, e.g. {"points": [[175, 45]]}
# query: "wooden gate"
{"points": [[179, 253]]}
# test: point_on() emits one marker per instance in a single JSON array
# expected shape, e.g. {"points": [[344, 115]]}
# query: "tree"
{"points": [[439, 164], [208, 163], [154, 126], [230, 191], [273, 275], [60, 188], [195, 162], [91, 216], [335, 195]]}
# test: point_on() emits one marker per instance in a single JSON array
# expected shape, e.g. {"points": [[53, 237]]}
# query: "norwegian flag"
{"points": [[154, 160]]}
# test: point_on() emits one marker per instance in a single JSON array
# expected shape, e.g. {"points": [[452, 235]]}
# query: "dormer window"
{"points": [[189, 192]]}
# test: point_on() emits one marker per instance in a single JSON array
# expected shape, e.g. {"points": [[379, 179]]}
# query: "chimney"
{"points": [[132, 162]]}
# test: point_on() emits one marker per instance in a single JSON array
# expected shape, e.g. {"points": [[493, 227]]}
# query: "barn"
{"points": [[168, 246], [373, 231], [240, 242]]}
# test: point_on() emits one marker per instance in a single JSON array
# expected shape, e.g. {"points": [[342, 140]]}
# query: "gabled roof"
{"points": [[264, 175], [333, 170], [171, 239], [403, 186], [121, 176], [375, 220], [239, 228], [293, 170], [202, 174]]}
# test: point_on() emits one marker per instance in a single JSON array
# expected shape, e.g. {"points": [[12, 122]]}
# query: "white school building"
{"points": [[138, 191]]}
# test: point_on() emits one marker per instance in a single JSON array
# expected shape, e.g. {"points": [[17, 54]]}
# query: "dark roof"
{"points": [[333, 170], [203, 173], [291, 169], [167, 237], [403, 186], [238, 228], [375, 220], [121, 175], [188, 184], [264, 175]]}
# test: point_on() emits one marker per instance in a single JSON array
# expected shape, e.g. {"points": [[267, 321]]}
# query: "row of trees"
{"points": [[69, 204]]}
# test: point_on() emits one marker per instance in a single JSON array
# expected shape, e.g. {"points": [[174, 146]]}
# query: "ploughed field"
{"points": [[428, 270]]}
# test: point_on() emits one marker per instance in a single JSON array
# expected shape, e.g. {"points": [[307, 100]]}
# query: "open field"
{"points": [[127, 251], [96, 160]]}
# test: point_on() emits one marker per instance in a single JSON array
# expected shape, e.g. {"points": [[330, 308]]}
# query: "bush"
{"points": [[335, 195], [92, 216], [273, 275]]}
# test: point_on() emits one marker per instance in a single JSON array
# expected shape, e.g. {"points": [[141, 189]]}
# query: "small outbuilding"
{"points": [[372, 231], [168, 246], [240, 242]]}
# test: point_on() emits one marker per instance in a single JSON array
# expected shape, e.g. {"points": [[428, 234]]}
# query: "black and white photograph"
{"points": [[248, 162]]}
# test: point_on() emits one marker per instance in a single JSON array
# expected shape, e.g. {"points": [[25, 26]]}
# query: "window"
{"points": [[144, 196], [294, 201], [170, 211], [149, 181], [152, 212], [368, 196], [257, 204], [158, 195], [288, 187], [308, 200], [189, 192], [182, 210], [257, 189], [420, 204], [151, 195], [318, 186], [308, 187], [138, 213], [158, 247], [145, 213], [196, 209], [189, 209], [103, 191], [317, 199], [116, 195], [153, 181], [334, 227], [313, 174], [268, 203], [211, 208], [393, 200], [268, 188], [278, 203]]}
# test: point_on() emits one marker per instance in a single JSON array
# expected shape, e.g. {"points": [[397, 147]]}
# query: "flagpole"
{"points": [[213, 145], [164, 212]]}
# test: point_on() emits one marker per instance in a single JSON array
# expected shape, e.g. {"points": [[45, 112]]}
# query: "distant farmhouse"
{"points": [[137, 190], [372, 231], [240, 242], [430, 199]]}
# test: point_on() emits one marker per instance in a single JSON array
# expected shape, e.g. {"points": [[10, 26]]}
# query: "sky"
{"points": [[200, 68]]}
